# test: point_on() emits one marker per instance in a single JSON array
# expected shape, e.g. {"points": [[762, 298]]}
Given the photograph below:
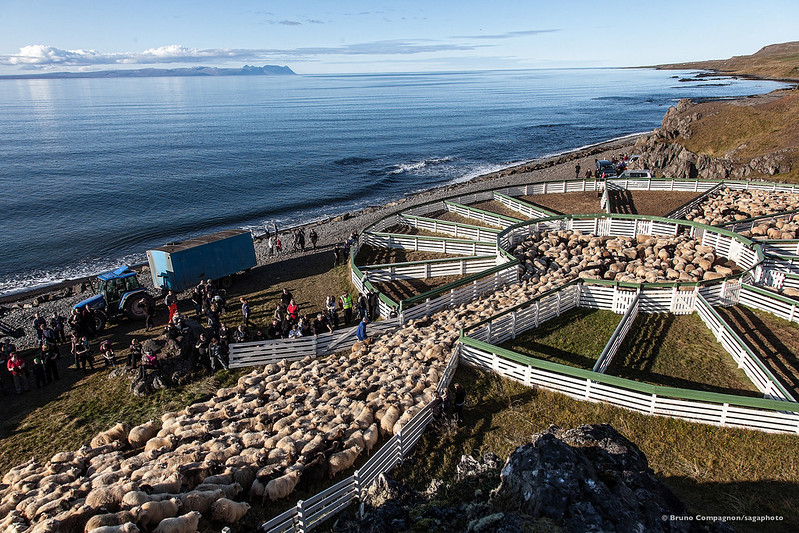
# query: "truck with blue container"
{"points": [[178, 266]]}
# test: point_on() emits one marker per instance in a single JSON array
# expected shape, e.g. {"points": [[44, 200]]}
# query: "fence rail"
{"points": [[456, 229], [747, 361], [706, 407], [500, 221], [765, 300], [308, 514], [528, 210], [681, 211], [618, 336], [429, 269], [243, 354], [421, 243]]}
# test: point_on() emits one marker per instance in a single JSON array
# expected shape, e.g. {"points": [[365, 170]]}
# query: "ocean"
{"points": [[93, 172]]}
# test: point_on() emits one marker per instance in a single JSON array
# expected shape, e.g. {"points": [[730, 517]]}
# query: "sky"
{"points": [[319, 37]]}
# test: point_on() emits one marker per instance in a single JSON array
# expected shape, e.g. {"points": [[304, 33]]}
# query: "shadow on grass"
{"points": [[777, 356]]}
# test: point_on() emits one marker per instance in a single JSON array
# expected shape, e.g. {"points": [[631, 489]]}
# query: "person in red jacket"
{"points": [[16, 365], [293, 311]]}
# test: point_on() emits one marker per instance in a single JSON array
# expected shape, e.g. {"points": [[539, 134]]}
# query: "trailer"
{"points": [[178, 266]]}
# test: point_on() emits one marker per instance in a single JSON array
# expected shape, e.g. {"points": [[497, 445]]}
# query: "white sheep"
{"points": [[130, 527], [228, 511], [186, 523], [282, 486], [140, 434], [157, 511], [199, 500], [117, 433], [342, 460]]}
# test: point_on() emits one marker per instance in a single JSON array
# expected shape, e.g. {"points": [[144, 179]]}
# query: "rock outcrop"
{"points": [[662, 150], [590, 478]]}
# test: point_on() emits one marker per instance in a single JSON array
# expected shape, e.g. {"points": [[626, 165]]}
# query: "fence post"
{"points": [[652, 405], [513, 325], [300, 517], [488, 332]]}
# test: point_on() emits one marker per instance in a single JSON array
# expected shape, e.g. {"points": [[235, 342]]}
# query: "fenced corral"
{"points": [[765, 300], [581, 384], [459, 292], [528, 210], [308, 514], [456, 229], [431, 268], [244, 354], [746, 359], [780, 247], [684, 209], [419, 243], [487, 217], [750, 223], [626, 322]]}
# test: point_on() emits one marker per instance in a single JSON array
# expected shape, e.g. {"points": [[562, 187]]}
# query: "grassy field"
{"points": [[714, 471], [575, 338], [678, 351]]}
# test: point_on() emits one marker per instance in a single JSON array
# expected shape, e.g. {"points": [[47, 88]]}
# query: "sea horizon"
{"points": [[117, 166]]}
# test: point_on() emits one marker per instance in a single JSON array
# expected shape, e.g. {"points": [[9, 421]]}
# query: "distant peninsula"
{"points": [[776, 62], [246, 70]]}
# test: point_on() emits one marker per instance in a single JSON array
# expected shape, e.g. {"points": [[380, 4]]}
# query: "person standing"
{"points": [[458, 401], [577, 171], [374, 304], [331, 310], [39, 323], [50, 358], [171, 302], [215, 354], [134, 353], [360, 333], [16, 365], [314, 237], [245, 311], [346, 305]]}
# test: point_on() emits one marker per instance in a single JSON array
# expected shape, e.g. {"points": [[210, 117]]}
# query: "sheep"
{"points": [[140, 434], [281, 487], [117, 433], [130, 527], [341, 461], [231, 491], [109, 497], [157, 443], [154, 512], [113, 519], [198, 500], [186, 523], [314, 472], [136, 498], [370, 437], [169, 485], [388, 421], [228, 511]]}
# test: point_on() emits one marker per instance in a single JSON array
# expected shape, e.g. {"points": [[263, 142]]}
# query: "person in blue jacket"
{"points": [[361, 332]]}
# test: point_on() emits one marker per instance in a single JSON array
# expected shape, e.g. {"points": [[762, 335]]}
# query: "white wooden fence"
{"points": [[456, 229], [500, 221], [681, 211], [704, 407], [426, 304], [606, 357], [528, 210], [308, 514], [765, 300], [748, 224], [420, 243], [746, 359], [243, 354], [780, 247], [429, 269]]}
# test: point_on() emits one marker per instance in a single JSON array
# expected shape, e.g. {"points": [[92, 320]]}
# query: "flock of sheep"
{"points": [[727, 205], [555, 257], [291, 425]]}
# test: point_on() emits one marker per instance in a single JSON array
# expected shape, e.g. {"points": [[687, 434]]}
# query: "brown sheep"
{"points": [[388, 420], [154, 512], [343, 460], [200, 501], [281, 487], [113, 519]]}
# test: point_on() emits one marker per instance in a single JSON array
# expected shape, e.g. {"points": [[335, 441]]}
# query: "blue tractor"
{"points": [[118, 295]]}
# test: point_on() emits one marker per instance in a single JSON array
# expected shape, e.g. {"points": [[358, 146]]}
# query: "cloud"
{"points": [[507, 35], [290, 23], [39, 56]]}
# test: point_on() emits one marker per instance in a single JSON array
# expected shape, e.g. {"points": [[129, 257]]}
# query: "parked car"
{"points": [[606, 168], [636, 174]]}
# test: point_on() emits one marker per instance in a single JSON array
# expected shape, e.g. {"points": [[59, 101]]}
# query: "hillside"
{"points": [[775, 61]]}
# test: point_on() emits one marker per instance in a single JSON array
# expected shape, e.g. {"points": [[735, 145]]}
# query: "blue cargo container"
{"points": [[181, 265]]}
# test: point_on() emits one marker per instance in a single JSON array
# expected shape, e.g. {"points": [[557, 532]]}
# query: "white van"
{"points": [[635, 174]]}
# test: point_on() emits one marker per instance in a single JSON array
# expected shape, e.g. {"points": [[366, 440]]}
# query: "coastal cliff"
{"points": [[775, 61], [752, 138]]}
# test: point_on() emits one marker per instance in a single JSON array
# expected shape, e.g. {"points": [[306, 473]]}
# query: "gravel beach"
{"points": [[18, 309]]}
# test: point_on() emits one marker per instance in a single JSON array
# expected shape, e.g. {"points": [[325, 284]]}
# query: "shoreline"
{"points": [[363, 217]]}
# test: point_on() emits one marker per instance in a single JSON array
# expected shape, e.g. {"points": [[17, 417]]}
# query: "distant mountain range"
{"points": [[247, 70]]}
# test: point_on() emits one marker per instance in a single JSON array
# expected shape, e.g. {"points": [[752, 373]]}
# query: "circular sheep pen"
{"points": [[297, 424]]}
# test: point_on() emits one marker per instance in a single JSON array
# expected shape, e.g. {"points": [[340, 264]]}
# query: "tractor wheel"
{"points": [[226, 282], [136, 306], [99, 321]]}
